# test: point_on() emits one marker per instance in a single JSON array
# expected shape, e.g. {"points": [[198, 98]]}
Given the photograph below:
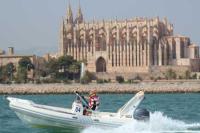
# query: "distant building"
{"points": [[11, 57], [127, 47], [2, 52], [49, 56]]}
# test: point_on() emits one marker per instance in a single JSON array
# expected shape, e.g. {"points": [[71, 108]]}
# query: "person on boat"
{"points": [[93, 103], [93, 100]]}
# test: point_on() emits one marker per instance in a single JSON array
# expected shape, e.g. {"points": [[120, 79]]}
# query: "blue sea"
{"points": [[169, 113]]}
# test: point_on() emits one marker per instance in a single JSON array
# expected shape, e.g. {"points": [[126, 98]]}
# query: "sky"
{"points": [[32, 26]]}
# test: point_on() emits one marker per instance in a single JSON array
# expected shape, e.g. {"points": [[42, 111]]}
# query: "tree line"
{"points": [[10, 72], [63, 69]]}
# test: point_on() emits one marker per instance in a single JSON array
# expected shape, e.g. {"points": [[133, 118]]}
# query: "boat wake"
{"points": [[159, 123]]}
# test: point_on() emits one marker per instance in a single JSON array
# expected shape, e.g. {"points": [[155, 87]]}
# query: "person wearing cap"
{"points": [[93, 100]]}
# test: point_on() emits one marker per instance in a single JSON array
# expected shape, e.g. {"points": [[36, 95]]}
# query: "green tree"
{"points": [[194, 76], [24, 66], [9, 71], [25, 62], [87, 77], [170, 74], [120, 79], [22, 75], [187, 74], [85, 62], [74, 69], [64, 62], [41, 73], [1, 74], [52, 66], [137, 77], [63, 68]]}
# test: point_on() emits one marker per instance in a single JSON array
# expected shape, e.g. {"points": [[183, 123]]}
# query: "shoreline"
{"points": [[147, 87]]}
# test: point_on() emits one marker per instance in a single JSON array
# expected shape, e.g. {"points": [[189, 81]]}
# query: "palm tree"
{"points": [[25, 65], [10, 69]]}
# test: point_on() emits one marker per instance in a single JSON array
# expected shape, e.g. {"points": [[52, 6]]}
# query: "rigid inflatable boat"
{"points": [[43, 116]]}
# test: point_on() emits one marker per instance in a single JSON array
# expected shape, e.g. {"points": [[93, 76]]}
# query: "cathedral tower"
{"points": [[79, 17], [69, 17]]}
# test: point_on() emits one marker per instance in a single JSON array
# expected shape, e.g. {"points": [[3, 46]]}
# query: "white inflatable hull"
{"points": [[44, 116]]}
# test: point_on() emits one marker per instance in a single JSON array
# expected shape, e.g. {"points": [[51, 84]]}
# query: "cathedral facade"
{"points": [[128, 47]]}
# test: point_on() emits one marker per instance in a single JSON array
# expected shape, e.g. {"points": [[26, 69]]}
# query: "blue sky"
{"points": [[32, 26]]}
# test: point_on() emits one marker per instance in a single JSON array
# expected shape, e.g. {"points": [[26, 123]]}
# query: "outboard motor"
{"points": [[141, 114]]}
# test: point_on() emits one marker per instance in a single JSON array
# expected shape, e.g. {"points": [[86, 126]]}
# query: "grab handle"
{"points": [[96, 120], [75, 117]]}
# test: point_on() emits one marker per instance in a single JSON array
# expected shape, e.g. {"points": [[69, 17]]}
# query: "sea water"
{"points": [[175, 113]]}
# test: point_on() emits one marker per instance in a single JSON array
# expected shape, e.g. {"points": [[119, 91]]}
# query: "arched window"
{"points": [[174, 49], [100, 65]]}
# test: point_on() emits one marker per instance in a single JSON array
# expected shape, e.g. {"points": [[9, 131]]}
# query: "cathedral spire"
{"points": [[79, 17], [63, 25], [69, 14]]}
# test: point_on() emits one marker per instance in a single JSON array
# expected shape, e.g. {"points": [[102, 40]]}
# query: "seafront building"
{"points": [[11, 57], [2, 52], [127, 47]]}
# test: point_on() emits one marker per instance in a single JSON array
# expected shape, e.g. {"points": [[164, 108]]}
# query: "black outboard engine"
{"points": [[141, 114]]}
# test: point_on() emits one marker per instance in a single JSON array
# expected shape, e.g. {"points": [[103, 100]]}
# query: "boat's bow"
{"points": [[131, 105], [43, 116], [15, 101]]}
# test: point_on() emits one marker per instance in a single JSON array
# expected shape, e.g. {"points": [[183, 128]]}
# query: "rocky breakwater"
{"points": [[148, 87]]}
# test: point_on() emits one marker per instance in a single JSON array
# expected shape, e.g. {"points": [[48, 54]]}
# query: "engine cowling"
{"points": [[141, 114]]}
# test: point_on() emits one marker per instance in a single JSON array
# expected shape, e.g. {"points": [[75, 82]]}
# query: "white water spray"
{"points": [[158, 123]]}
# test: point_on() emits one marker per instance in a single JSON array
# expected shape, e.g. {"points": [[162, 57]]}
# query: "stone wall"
{"points": [[195, 65], [147, 87], [158, 71], [126, 75]]}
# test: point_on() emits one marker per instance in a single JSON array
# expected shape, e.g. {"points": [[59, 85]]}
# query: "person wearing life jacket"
{"points": [[93, 100]]}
